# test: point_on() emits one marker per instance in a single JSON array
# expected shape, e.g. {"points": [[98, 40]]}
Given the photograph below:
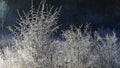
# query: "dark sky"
{"points": [[76, 12]]}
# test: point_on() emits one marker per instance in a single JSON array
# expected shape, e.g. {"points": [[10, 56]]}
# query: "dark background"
{"points": [[99, 13]]}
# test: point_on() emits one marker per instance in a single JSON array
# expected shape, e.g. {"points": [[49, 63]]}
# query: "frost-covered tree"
{"points": [[31, 43], [3, 12]]}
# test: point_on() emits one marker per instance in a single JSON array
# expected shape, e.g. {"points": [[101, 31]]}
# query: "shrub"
{"points": [[84, 49], [31, 47]]}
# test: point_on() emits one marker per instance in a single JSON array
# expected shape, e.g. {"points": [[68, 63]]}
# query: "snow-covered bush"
{"points": [[75, 49], [31, 43], [84, 49], [106, 50]]}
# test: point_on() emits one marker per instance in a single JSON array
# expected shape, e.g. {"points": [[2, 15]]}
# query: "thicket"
{"points": [[32, 47]]}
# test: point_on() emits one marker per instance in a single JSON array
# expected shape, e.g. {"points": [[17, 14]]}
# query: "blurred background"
{"points": [[103, 14]]}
